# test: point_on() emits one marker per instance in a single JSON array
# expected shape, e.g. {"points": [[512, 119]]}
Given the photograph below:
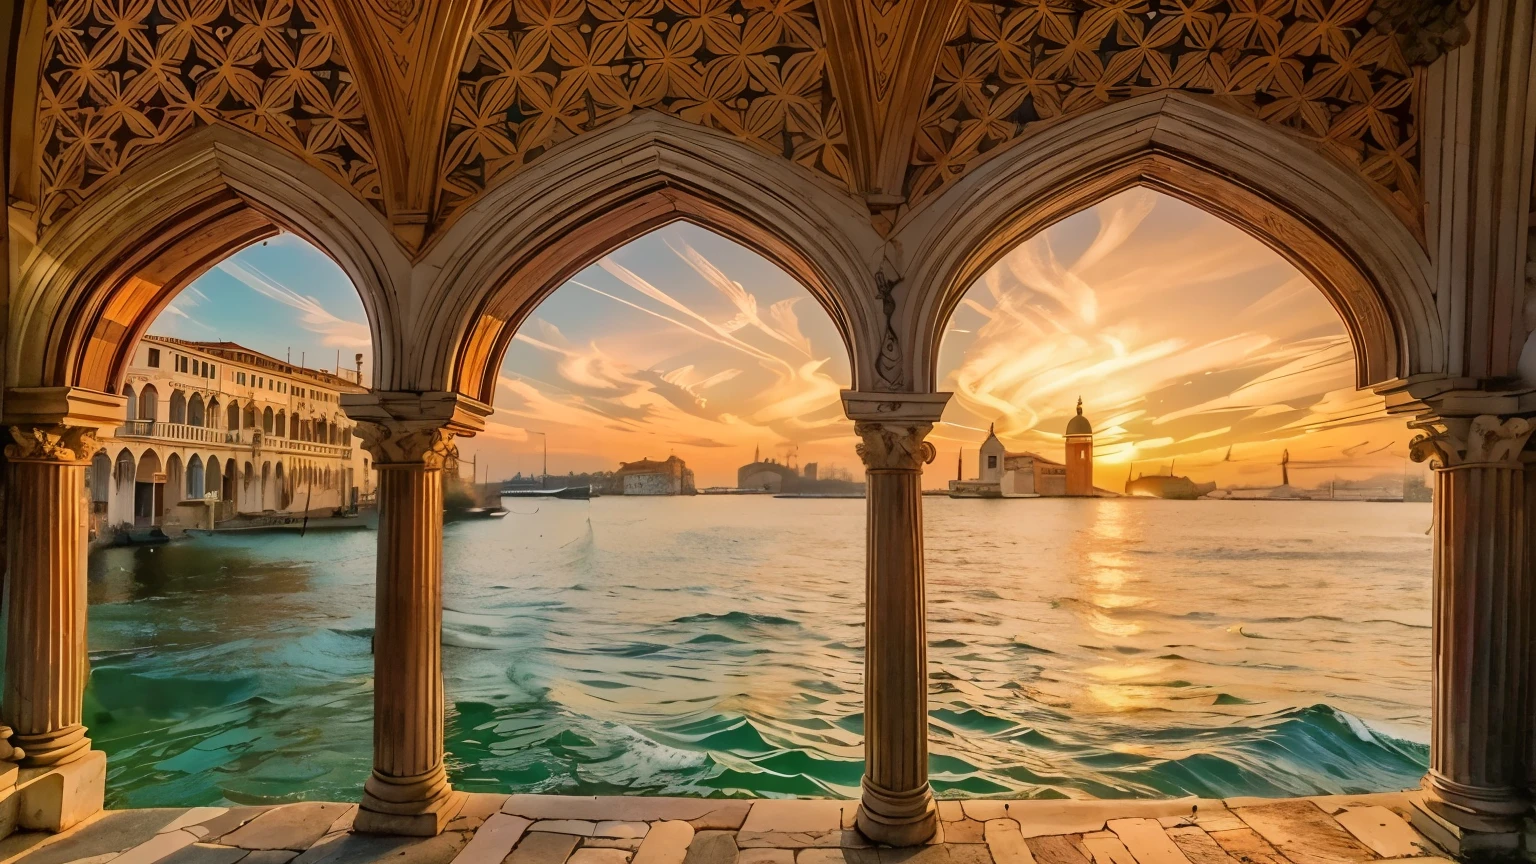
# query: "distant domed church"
{"points": [[1001, 474], [1080, 454]]}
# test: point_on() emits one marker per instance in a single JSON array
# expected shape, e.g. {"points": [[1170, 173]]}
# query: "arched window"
{"points": [[293, 426], [175, 479], [213, 480], [213, 412], [266, 421], [195, 478], [234, 416], [101, 477], [149, 403], [178, 407], [320, 430], [131, 402], [195, 410], [281, 425]]}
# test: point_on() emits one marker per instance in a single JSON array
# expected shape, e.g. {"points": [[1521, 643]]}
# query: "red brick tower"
{"points": [[1079, 454]]}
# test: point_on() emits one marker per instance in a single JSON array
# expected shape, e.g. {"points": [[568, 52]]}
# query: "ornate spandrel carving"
{"points": [[401, 444], [51, 443], [753, 70], [119, 79], [888, 364], [1483, 440], [1009, 66], [894, 446]]}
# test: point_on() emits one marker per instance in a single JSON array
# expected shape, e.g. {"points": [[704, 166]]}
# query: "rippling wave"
{"points": [[708, 647]]}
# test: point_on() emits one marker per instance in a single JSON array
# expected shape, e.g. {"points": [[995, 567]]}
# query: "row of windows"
{"points": [[186, 365], [204, 369]]}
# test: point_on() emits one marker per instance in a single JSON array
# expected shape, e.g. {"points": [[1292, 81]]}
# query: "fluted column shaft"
{"points": [[897, 805], [408, 791], [1480, 730], [46, 530]]}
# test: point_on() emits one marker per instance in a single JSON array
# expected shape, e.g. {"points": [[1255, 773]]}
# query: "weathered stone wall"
{"points": [[651, 484]]}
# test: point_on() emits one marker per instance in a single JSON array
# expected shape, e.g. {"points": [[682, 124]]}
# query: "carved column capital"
{"points": [[406, 444], [894, 446], [51, 443], [1457, 442]]}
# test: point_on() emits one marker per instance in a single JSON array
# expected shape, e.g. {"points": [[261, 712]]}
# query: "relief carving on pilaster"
{"points": [[894, 446], [888, 364], [51, 443], [401, 444], [1482, 440]]}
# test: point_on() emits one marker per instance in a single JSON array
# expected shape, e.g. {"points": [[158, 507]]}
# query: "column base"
{"points": [[897, 819], [58, 797], [418, 806], [1465, 819]]}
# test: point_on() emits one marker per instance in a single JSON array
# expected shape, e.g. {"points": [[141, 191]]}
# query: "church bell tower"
{"points": [[1079, 454]]}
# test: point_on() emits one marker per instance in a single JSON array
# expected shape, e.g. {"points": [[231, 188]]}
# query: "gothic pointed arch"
{"points": [[530, 234], [1322, 218], [101, 274]]}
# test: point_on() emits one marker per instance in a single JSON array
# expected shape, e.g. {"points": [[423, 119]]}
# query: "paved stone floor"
{"points": [[541, 829]]}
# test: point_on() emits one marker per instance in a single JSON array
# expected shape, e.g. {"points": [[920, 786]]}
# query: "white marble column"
{"points": [[897, 806], [408, 791], [1483, 620], [47, 522]]}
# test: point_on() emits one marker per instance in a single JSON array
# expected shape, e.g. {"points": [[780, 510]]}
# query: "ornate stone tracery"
{"points": [[538, 73], [1316, 67], [119, 79]]}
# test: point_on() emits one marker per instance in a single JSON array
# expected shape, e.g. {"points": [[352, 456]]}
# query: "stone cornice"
{"points": [[452, 412], [64, 406], [883, 407]]}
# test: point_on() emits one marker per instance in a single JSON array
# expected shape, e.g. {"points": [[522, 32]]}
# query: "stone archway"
{"points": [[546, 223], [1322, 218], [89, 293]]}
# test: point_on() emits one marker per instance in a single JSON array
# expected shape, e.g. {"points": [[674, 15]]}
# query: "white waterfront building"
{"points": [[216, 430]]}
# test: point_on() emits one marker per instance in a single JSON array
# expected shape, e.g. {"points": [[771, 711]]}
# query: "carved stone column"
{"points": [[46, 662], [1480, 730], [408, 791], [897, 806]]}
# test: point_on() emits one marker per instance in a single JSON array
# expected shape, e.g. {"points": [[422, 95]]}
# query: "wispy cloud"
{"points": [[334, 331]]}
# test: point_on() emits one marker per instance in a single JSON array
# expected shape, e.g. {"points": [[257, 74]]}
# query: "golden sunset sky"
{"points": [[1191, 344]]}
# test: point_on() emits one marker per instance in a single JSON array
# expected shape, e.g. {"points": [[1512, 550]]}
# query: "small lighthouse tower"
{"points": [[1079, 454]]}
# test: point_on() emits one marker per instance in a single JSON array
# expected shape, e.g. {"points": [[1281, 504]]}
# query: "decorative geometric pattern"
{"points": [[1316, 67], [539, 72], [120, 77]]}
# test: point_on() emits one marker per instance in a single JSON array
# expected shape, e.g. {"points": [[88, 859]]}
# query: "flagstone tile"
{"points": [[667, 843], [1386, 833], [1304, 834], [292, 826], [1147, 842], [712, 847], [494, 841]]}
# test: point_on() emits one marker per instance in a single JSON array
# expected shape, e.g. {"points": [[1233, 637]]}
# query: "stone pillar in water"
{"points": [[897, 805], [1483, 619], [408, 791]]}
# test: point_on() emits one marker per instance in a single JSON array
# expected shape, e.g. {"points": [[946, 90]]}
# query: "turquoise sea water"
{"points": [[708, 646]]}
